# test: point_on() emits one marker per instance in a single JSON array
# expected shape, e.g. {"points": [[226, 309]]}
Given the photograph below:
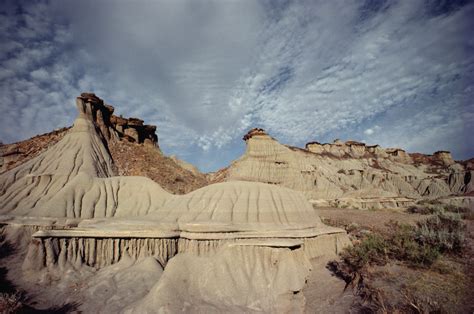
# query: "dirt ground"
{"points": [[450, 277], [375, 220]]}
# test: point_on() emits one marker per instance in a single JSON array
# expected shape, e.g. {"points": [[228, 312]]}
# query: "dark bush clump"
{"points": [[427, 207], [372, 250]]}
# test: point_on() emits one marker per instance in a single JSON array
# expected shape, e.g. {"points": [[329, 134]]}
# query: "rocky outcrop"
{"points": [[354, 149], [349, 173], [253, 132], [116, 127], [76, 176], [175, 176], [444, 157], [132, 145], [67, 252], [257, 236]]}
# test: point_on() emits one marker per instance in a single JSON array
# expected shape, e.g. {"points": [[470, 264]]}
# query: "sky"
{"points": [[394, 73]]}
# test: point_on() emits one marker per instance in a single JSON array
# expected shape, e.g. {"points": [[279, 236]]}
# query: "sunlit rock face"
{"points": [[240, 206], [349, 170], [76, 177], [112, 126]]}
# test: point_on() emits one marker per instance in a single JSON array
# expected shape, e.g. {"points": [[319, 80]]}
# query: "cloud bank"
{"points": [[396, 73]]}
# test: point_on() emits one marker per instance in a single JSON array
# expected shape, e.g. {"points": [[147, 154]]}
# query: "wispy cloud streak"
{"points": [[393, 72]]}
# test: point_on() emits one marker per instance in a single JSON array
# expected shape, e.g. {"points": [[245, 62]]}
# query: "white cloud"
{"points": [[369, 131], [372, 130], [205, 73]]}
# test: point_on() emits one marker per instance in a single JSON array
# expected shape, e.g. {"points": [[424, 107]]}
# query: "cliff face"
{"points": [[350, 170], [116, 127]]}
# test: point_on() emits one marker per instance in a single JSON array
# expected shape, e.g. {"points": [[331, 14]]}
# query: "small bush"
{"points": [[429, 202], [419, 245], [466, 213], [352, 228], [417, 209], [372, 250], [444, 231], [468, 216], [426, 207]]}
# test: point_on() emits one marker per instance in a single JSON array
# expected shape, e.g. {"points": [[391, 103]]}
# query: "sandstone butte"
{"points": [[130, 240], [353, 174]]}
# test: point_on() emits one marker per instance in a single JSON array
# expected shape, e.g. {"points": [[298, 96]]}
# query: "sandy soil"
{"points": [[324, 292], [372, 220]]}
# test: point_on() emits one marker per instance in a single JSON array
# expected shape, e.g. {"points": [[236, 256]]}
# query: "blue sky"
{"points": [[396, 73]]}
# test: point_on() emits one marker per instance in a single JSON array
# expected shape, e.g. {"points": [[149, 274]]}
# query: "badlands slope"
{"points": [[352, 173], [228, 247], [132, 145], [75, 179]]}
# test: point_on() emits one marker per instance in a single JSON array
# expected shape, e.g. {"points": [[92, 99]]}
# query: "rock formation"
{"points": [[132, 145], [267, 279], [114, 127], [242, 244], [349, 173], [259, 236]]}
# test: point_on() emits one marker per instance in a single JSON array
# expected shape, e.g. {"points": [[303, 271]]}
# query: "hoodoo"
{"points": [[75, 178]]}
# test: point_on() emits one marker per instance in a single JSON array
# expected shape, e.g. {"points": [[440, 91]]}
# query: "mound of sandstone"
{"points": [[350, 173], [132, 145], [80, 223]]}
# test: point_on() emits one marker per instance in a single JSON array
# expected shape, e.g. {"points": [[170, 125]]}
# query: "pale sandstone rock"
{"points": [[444, 156], [237, 279], [74, 178], [255, 235], [113, 127], [334, 171], [114, 287]]}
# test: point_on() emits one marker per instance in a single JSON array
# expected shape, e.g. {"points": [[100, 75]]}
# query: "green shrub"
{"points": [[426, 207], [429, 202], [466, 213], [444, 231], [418, 245], [371, 250], [405, 247]]}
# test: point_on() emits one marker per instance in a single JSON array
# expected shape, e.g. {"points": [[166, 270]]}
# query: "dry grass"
{"points": [[417, 268]]}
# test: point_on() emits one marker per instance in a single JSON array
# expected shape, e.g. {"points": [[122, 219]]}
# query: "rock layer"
{"points": [[115, 127], [348, 170], [250, 279]]}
